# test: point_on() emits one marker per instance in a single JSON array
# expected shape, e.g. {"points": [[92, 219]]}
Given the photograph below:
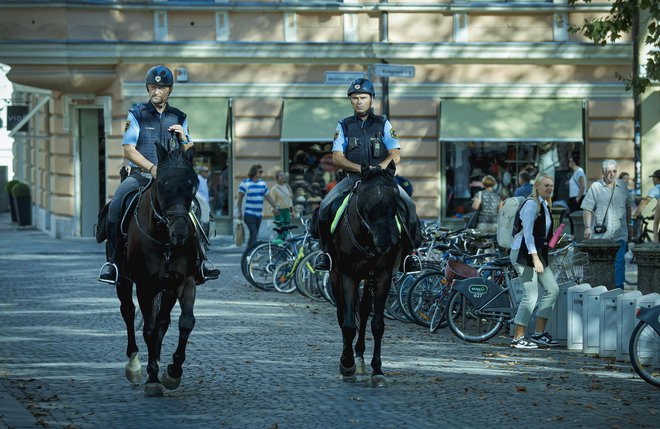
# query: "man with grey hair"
{"points": [[607, 213]]}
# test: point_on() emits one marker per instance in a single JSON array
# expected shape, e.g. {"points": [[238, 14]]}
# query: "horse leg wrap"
{"points": [[134, 369]]}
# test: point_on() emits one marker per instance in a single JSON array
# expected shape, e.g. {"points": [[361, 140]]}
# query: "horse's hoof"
{"points": [[153, 390], [347, 373], [134, 369], [378, 380], [361, 369], [169, 383]]}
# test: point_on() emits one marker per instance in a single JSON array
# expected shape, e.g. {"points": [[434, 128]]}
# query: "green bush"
{"points": [[20, 190], [10, 185]]}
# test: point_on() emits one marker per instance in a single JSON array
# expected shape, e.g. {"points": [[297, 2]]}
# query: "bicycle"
{"points": [[568, 264], [644, 346], [641, 233], [261, 258], [478, 307], [284, 275]]}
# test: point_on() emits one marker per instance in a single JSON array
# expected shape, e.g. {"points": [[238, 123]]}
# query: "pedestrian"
{"points": [[577, 184], [487, 203], [529, 255], [148, 124], [255, 191], [524, 185], [607, 214], [653, 193], [203, 178], [282, 195], [363, 139]]}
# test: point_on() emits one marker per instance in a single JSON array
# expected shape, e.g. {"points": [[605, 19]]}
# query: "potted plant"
{"points": [[12, 207], [23, 202]]}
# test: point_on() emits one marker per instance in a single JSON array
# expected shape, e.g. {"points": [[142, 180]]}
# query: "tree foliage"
{"points": [[620, 21]]}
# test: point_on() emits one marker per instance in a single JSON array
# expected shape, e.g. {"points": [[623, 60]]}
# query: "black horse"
{"points": [[367, 246], [160, 258]]}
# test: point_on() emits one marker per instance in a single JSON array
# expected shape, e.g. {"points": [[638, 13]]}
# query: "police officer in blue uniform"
{"points": [[148, 125], [363, 139]]}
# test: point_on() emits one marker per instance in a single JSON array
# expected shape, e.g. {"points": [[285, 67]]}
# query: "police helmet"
{"points": [[361, 86], [159, 75]]}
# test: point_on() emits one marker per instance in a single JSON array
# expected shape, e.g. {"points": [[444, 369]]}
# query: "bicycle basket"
{"points": [[579, 267], [459, 270]]}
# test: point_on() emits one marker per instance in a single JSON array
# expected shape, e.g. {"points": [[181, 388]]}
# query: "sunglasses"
{"points": [[260, 172]]}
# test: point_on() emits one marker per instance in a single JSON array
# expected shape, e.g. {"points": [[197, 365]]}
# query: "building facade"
{"points": [[480, 88]]}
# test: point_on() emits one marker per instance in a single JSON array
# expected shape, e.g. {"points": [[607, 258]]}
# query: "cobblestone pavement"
{"points": [[267, 360]]}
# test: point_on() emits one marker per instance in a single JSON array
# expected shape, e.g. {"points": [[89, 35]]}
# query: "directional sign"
{"points": [[342, 77], [392, 70]]}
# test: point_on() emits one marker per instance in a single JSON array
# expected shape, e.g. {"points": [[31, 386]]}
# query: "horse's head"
{"points": [[378, 197], [176, 185]]}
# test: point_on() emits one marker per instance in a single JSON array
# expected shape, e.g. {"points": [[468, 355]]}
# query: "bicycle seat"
{"points": [[442, 247], [285, 228]]}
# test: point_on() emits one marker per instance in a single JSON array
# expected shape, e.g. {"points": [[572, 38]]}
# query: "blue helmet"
{"points": [[159, 75], [361, 86]]}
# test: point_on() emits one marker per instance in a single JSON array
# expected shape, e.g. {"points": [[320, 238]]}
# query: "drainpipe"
{"points": [[385, 82], [636, 114]]}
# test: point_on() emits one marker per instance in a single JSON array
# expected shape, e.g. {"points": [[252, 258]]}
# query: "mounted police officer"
{"points": [[148, 125], [364, 139]]}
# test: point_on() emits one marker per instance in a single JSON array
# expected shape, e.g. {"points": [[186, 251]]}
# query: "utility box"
{"points": [[574, 321], [607, 323], [626, 308], [590, 319], [557, 322]]}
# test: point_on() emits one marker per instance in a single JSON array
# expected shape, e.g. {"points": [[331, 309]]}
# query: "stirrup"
{"points": [[415, 259], [316, 262], [112, 282], [205, 277]]}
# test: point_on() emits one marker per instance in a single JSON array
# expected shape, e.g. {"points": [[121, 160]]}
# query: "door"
{"points": [[92, 168]]}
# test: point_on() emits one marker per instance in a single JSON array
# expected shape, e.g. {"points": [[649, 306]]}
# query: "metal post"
{"points": [[385, 82], [636, 112]]}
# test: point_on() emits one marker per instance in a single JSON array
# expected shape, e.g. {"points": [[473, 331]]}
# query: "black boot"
{"points": [[323, 262], [109, 271], [209, 271]]}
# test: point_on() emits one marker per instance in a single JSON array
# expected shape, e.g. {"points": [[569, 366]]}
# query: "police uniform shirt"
{"points": [[133, 132], [389, 138]]}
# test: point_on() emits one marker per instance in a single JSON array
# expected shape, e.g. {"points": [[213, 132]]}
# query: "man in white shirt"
{"points": [[607, 213]]}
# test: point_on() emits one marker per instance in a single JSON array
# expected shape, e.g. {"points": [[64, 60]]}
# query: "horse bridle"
{"points": [[161, 219]]}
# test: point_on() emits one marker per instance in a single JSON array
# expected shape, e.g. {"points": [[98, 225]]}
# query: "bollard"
{"points": [[647, 256], [577, 225], [602, 254]]}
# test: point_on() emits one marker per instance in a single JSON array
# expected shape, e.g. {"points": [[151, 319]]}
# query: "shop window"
{"points": [[216, 156], [311, 173], [466, 163]]}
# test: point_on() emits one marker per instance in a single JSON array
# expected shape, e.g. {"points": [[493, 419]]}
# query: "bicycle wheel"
{"points": [[308, 281], [422, 296], [644, 351], [393, 305], [465, 322], [262, 263], [245, 258], [404, 290], [283, 277]]}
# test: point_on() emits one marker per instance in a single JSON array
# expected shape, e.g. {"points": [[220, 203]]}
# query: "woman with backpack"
{"points": [[529, 255], [486, 203]]}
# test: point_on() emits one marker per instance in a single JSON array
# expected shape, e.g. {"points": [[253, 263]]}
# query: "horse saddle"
{"points": [[128, 206]]}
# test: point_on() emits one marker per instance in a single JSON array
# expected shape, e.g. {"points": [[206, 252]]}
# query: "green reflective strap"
{"points": [[398, 223], [341, 209]]}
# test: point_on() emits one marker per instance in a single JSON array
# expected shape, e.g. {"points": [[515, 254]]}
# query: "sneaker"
{"points": [[523, 343], [544, 339]]}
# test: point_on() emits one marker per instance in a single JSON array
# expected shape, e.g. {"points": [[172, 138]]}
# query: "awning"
{"points": [[207, 117], [313, 120], [511, 120]]}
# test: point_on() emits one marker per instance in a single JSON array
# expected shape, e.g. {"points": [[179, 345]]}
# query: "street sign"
{"points": [[342, 77], [392, 70], [15, 115]]}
